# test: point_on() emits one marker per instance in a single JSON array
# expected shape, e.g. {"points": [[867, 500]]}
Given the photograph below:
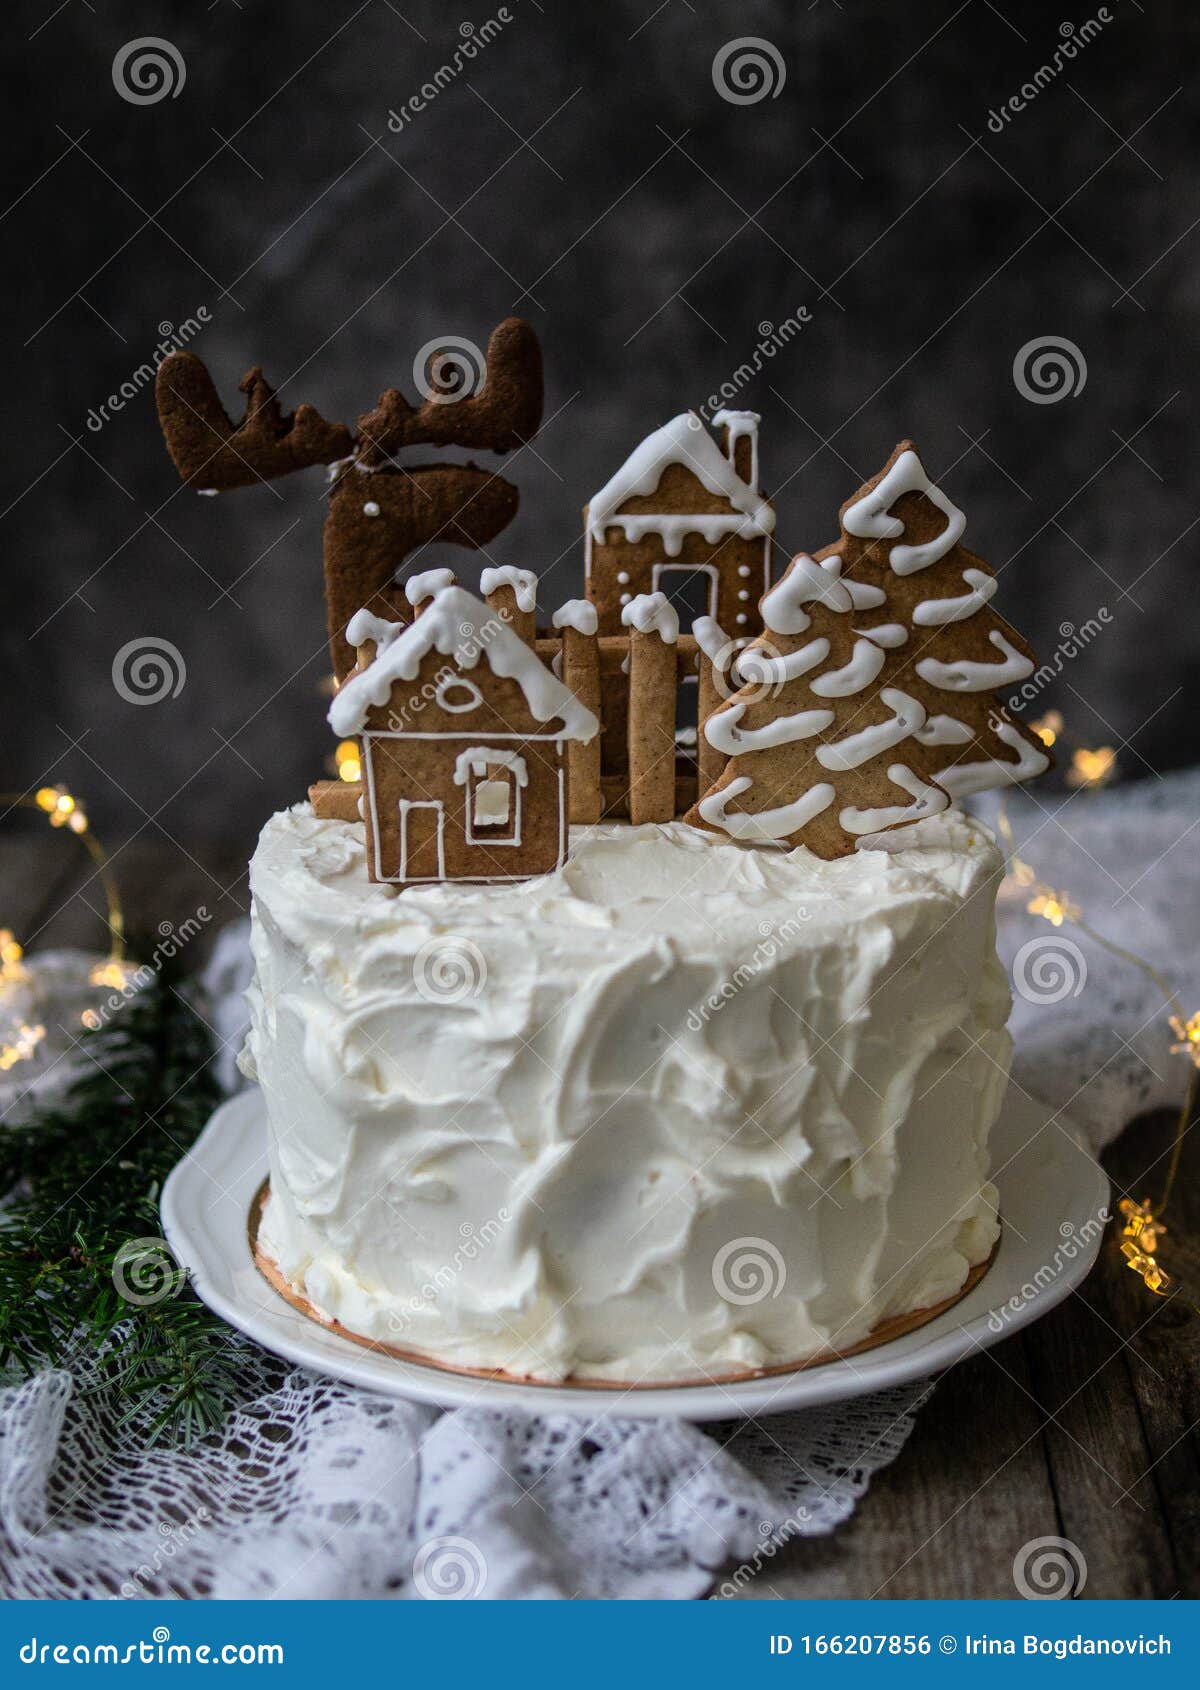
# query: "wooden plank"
{"points": [[970, 1487]]}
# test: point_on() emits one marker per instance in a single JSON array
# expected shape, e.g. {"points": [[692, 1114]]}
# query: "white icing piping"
{"points": [[778, 823], [889, 634], [578, 614], [944, 730], [935, 613], [364, 626], [930, 801], [523, 582], [805, 583], [685, 441], [427, 585], [967, 676], [754, 665], [864, 666], [475, 760], [722, 732], [652, 613], [458, 625], [857, 748], [962, 779], [867, 518]]}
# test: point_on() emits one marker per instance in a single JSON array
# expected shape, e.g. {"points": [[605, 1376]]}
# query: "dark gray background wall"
{"points": [[584, 171]]}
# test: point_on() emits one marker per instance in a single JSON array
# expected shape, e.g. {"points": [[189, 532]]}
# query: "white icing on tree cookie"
{"points": [[868, 517]]}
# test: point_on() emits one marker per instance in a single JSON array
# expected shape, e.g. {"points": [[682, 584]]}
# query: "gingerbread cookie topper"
{"points": [[380, 510], [464, 733], [870, 700], [684, 509]]}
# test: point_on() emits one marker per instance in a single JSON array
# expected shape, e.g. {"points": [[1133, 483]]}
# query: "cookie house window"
{"points": [[458, 695], [493, 803], [493, 778]]}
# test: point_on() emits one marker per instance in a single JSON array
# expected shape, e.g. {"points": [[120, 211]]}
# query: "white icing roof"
{"points": [[463, 628], [684, 440]]}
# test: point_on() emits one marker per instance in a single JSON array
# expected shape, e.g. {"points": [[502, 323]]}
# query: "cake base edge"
{"points": [[895, 1326]]}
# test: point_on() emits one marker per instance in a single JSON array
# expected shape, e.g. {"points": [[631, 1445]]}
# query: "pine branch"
{"points": [[83, 1183]]}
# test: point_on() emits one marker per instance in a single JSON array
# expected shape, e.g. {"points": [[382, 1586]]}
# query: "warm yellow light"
{"points": [[109, 973], [1054, 907], [46, 797], [64, 802], [1092, 768], [1188, 1034], [1048, 727], [11, 951], [77, 822], [24, 1045], [346, 756]]}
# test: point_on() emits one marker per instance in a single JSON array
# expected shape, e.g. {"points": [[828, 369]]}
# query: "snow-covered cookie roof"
{"points": [[686, 441], [463, 628]]}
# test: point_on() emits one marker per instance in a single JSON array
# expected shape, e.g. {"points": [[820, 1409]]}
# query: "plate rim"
{"points": [[230, 1157]]}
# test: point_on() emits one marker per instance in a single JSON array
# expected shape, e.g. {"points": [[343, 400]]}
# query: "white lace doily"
{"points": [[317, 1489]]}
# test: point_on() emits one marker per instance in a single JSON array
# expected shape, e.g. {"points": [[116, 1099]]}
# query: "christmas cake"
{"points": [[629, 1009]]}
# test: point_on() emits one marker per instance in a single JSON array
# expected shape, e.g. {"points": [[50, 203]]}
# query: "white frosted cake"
{"points": [[680, 1109]]}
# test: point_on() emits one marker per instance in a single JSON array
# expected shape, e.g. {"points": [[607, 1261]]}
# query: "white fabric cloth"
{"points": [[317, 1489]]}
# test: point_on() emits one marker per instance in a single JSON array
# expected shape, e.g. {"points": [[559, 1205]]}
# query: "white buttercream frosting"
{"points": [[679, 1109]]}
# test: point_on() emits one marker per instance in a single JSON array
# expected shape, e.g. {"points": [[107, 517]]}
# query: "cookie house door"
{"points": [[422, 839]]}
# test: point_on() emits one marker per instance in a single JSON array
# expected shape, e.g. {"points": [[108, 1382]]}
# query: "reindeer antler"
{"points": [[210, 450], [504, 413]]}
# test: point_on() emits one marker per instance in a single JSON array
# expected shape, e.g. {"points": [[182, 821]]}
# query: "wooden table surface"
{"points": [[1083, 1427]]}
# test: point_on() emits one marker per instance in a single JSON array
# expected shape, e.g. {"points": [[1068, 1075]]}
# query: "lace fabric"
{"points": [[317, 1489]]}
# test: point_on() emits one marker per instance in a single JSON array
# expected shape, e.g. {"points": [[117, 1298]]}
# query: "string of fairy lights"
{"points": [[1089, 768], [21, 1042]]}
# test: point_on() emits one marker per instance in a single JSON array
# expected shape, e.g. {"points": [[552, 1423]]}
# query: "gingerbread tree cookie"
{"points": [[869, 702]]}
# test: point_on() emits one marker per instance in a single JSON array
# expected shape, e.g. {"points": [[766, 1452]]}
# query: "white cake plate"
{"points": [[1052, 1198]]}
